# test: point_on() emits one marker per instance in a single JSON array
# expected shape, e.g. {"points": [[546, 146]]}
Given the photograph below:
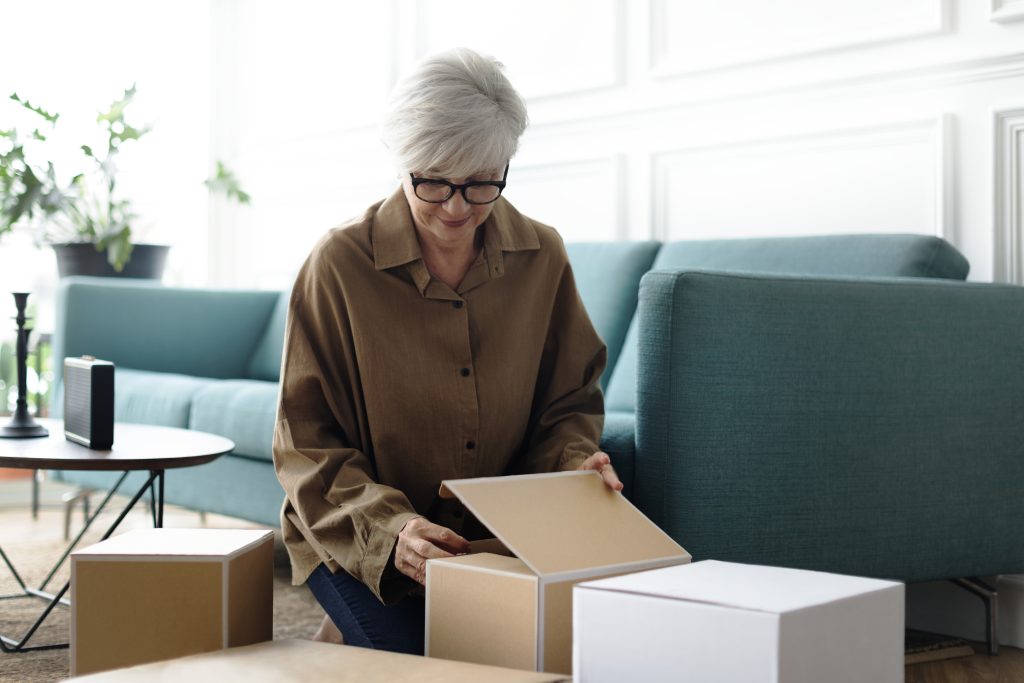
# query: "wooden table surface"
{"points": [[136, 447]]}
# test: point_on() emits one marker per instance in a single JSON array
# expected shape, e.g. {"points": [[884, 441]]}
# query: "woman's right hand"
{"points": [[421, 540]]}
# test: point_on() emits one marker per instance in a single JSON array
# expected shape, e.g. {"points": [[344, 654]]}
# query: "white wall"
{"points": [[75, 59], [666, 119]]}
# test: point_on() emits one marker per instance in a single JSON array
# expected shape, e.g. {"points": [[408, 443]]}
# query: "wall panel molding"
{"points": [[924, 147], [668, 60], [897, 81], [557, 75], [1007, 10], [582, 198], [1008, 193]]}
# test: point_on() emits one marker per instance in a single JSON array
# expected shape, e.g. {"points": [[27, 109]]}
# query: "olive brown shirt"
{"points": [[392, 382]]}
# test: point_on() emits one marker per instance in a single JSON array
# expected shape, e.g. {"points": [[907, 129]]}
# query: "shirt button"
{"points": [[470, 445], [464, 372], [457, 304]]}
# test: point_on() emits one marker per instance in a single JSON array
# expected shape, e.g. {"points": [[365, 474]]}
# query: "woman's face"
{"points": [[454, 222]]}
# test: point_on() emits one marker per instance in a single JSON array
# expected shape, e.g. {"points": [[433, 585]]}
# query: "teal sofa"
{"points": [[779, 401]]}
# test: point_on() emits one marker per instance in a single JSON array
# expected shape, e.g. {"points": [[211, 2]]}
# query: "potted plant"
{"points": [[84, 219]]}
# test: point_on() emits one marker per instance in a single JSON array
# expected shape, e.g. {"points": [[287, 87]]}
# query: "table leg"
{"points": [[160, 500], [11, 645], [37, 476]]}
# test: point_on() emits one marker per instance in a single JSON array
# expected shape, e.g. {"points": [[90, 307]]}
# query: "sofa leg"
{"points": [[990, 597]]}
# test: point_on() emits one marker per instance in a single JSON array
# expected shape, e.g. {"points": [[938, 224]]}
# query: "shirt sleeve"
{"points": [[567, 415], [335, 500]]}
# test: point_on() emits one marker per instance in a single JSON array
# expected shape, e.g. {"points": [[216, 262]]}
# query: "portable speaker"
{"points": [[89, 402]]}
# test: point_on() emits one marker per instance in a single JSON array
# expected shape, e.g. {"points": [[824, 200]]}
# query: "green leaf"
{"points": [[26, 200], [88, 151], [119, 249], [52, 118], [224, 181], [116, 110]]}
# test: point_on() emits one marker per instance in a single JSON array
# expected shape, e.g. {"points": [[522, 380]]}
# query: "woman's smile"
{"points": [[455, 223]]}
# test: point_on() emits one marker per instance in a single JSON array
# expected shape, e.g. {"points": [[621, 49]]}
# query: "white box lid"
{"points": [[743, 586]]}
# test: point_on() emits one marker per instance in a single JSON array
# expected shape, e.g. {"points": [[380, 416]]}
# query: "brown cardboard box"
{"points": [[562, 528], [285, 661], [154, 594]]}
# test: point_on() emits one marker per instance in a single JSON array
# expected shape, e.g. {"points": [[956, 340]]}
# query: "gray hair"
{"points": [[455, 115]]}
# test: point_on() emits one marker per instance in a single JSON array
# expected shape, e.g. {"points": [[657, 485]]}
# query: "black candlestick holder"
{"points": [[22, 424]]}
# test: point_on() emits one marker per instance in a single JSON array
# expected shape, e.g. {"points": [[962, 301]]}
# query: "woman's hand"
{"points": [[421, 540], [600, 462]]}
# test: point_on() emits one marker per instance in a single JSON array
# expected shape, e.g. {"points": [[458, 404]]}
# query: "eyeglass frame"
{"points": [[452, 187]]}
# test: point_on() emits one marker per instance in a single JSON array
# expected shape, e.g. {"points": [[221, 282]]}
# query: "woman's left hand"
{"points": [[600, 462]]}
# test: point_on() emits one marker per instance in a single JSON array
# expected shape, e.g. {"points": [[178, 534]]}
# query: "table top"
{"points": [[304, 660], [136, 447]]}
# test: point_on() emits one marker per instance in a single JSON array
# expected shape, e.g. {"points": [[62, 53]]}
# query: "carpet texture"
{"points": [[34, 545]]}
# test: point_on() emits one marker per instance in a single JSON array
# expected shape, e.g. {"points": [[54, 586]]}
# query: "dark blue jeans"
{"points": [[363, 619]]}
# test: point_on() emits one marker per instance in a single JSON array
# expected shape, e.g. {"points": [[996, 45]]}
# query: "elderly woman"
{"points": [[437, 336]]}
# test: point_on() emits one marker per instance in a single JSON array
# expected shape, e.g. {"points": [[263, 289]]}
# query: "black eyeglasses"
{"points": [[474, 192]]}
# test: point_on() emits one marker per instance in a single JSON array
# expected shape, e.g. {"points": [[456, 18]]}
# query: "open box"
{"points": [[515, 610]]}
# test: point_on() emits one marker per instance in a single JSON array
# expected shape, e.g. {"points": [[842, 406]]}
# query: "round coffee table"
{"points": [[137, 447]]}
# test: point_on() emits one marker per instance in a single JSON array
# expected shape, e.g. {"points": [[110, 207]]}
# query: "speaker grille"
{"points": [[77, 401]]}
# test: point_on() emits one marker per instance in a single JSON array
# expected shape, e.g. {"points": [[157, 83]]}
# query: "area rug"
{"points": [[920, 646], [33, 546]]}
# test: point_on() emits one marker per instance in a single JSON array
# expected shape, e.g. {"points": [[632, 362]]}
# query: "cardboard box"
{"points": [[562, 528], [719, 621], [282, 661], [154, 594]]}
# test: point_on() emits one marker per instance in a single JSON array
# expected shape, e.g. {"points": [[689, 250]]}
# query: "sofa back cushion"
{"points": [[608, 279], [854, 255], [146, 326], [843, 255], [266, 359]]}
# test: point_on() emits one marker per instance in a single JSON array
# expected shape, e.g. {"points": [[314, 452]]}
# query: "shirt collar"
{"points": [[394, 235]]}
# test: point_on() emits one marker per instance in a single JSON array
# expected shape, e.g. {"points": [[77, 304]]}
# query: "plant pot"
{"points": [[81, 258]]}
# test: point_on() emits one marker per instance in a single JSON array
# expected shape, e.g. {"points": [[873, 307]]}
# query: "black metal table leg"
{"points": [[160, 474], [10, 645]]}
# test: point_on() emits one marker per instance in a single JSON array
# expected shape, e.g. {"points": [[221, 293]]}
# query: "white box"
{"points": [[719, 621]]}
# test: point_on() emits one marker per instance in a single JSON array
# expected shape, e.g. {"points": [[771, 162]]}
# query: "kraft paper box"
{"points": [[718, 621], [153, 594], [301, 661], [561, 528]]}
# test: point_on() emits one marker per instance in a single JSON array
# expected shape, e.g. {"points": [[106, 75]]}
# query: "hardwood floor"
{"points": [[1007, 667]]}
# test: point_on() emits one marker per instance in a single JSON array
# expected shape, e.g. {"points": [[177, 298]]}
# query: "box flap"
{"points": [[743, 586], [565, 522]]}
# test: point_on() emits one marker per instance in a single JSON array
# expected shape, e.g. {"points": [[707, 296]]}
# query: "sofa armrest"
{"points": [[144, 325], [862, 426]]}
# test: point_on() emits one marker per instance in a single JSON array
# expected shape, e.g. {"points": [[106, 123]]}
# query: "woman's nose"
{"points": [[456, 204]]}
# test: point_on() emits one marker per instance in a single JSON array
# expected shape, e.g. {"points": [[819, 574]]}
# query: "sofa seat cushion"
{"points": [[243, 410], [230, 485], [619, 442], [156, 398]]}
